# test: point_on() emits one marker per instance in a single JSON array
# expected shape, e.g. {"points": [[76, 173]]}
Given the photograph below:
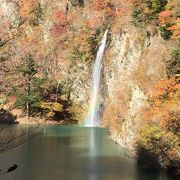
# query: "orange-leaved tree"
{"points": [[159, 132]]}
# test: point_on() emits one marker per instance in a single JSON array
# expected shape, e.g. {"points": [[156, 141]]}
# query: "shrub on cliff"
{"points": [[163, 14], [147, 10], [173, 65]]}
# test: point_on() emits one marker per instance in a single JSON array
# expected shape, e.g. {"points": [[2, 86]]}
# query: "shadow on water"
{"points": [[150, 162], [71, 153], [147, 159]]}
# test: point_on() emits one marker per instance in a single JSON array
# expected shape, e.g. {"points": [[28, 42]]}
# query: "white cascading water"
{"points": [[93, 116]]}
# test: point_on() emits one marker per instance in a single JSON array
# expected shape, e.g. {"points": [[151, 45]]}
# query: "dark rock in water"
{"points": [[12, 168]]}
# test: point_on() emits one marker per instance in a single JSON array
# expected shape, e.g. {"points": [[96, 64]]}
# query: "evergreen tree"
{"points": [[32, 92]]}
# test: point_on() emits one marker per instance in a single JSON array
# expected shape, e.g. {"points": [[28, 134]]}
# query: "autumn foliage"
{"points": [[26, 7], [60, 23], [168, 19], [160, 126], [162, 13]]}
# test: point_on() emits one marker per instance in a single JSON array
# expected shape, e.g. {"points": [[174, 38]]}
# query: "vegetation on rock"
{"points": [[159, 130]]}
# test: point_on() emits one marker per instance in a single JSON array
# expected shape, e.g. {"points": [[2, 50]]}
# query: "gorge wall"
{"points": [[135, 63]]}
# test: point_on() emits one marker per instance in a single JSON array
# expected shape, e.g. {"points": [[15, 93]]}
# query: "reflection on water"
{"points": [[93, 152], [73, 153]]}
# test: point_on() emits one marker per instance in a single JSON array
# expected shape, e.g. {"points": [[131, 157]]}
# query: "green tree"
{"points": [[31, 95]]}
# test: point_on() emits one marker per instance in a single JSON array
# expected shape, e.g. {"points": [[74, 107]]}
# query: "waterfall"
{"points": [[93, 118]]}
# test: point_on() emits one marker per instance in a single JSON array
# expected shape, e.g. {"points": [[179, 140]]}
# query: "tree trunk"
{"points": [[28, 92]]}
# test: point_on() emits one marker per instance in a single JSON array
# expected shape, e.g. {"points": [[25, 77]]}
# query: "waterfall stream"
{"points": [[93, 118]]}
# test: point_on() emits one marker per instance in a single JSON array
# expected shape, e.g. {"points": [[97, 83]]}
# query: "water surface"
{"points": [[73, 153]]}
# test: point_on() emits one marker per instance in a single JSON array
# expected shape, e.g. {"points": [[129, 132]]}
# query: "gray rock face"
{"points": [[10, 12], [125, 72], [126, 51], [81, 84]]}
